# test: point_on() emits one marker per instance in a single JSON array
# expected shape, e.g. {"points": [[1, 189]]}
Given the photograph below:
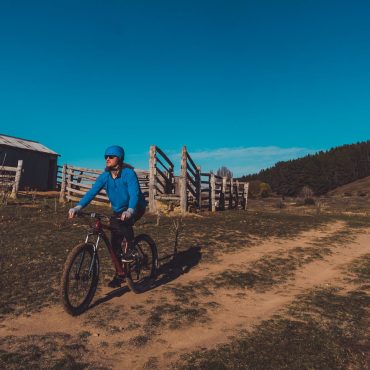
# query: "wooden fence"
{"points": [[9, 179], [190, 183], [192, 189], [161, 178], [220, 193], [75, 182]]}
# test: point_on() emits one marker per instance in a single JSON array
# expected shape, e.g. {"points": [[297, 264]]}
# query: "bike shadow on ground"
{"points": [[170, 268], [113, 294], [175, 265]]}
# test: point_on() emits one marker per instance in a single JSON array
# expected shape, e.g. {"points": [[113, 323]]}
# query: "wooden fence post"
{"points": [[152, 179], [183, 182], [17, 179], [223, 193], [213, 192], [246, 189], [62, 195], [69, 181], [199, 188], [231, 193], [237, 200], [171, 180]]}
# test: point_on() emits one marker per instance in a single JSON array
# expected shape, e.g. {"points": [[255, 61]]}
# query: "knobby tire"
{"points": [[141, 272], [69, 276]]}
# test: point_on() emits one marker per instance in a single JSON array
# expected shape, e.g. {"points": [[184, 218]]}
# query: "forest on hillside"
{"points": [[322, 172]]}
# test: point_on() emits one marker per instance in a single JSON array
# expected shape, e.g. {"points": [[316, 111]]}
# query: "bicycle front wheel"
{"points": [[79, 279], [142, 270]]}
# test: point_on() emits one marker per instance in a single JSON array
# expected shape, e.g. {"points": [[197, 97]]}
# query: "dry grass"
{"points": [[326, 329], [35, 237]]}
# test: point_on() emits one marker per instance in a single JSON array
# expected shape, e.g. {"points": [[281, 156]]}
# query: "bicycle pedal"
{"points": [[128, 259]]}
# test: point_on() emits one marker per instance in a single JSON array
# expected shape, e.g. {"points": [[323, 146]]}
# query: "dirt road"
{"points": [[197, 309]]}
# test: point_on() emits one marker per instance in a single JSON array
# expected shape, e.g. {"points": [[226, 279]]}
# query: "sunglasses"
{"points": [[110, 156]]}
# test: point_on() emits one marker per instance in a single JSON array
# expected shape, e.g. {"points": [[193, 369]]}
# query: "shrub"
{"points": [[265, 190], [259, 189], [306, 192], [306, 196], [254, 189], [309, 201], [361, 194]]}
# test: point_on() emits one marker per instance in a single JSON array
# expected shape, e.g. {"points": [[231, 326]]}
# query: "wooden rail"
{"points": [[190, 182], [220, 193], [161, 177], [75, 182], [10, 178], [207, 190]]}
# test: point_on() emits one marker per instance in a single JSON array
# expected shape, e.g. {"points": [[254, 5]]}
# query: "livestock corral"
{"points": [[275, 286], [190, 190]]}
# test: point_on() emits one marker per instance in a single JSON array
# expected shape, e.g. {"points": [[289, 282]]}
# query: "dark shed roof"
{"points": [[17, 142]]}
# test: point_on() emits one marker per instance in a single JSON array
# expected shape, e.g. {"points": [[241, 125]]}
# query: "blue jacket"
{"points": [[123, 192]]}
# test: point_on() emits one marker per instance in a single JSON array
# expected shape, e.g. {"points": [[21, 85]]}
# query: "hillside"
{"points": [[358, 187], [322, 172]]}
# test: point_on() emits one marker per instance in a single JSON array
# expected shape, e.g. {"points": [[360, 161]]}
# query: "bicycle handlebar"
{"points": [[96, 215]]}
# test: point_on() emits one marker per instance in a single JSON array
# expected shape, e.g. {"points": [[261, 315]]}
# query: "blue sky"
{"points": [[241, 83]]}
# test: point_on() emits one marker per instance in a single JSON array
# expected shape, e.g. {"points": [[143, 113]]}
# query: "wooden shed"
{"points": [[40, 163]]}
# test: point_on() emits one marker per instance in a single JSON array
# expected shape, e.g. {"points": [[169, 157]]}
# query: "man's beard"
{"points": [[115, 168]]}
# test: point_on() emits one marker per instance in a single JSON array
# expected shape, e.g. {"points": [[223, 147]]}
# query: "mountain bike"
{"points": [[81, 270]]}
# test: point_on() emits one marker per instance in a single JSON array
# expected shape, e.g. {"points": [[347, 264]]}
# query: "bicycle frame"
{"points": [[98, 230]]}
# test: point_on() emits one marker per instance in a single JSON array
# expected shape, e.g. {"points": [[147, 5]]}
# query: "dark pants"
{"points": [[122, 231]]}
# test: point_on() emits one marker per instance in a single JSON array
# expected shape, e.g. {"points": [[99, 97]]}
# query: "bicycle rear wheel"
{"points": [[79, 279], [142, 270]]}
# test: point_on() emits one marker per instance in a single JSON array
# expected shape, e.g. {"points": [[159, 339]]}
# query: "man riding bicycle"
{"points": [[121, 184]]}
